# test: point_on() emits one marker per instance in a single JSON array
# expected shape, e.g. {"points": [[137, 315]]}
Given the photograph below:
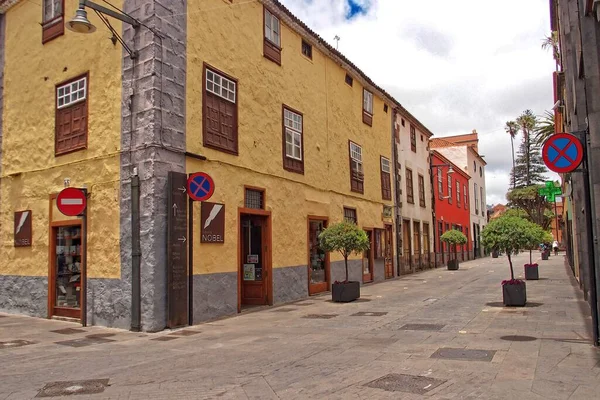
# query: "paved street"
{"points": [[401, 331]]}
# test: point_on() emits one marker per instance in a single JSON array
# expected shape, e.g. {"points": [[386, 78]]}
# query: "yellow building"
{"points": [[292, 134]]}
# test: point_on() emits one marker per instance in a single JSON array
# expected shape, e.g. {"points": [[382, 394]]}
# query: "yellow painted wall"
{"points": [[230, 38], [30, 170]]}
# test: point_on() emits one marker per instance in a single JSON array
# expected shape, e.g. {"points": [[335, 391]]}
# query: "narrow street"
{"points": [[405, 328]]}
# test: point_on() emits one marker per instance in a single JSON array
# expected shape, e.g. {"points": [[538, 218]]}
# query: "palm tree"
{"points": [[545, 128], [512, 128], [527, 121], [551, 42]]}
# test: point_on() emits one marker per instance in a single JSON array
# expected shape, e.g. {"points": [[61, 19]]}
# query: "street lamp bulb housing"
{"points": [[450, 170], [80, 23]]}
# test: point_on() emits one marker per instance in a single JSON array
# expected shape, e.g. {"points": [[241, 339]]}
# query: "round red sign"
{"points": [[71, 202]]}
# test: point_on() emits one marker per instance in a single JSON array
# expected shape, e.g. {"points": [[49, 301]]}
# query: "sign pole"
{"points": [[83, 294]]}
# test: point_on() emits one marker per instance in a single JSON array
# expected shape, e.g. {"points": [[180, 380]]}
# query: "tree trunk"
{"points": [[527, 148], [512, 274], [530, 260], [512, 145], [346, 265]]}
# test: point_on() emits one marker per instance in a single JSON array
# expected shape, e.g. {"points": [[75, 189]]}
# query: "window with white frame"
{"points": [[71, 93], [482, 201], [293, 134], [449, 189], [368, 101], [440, 183], [385, 165], [356, 157], [272, 28], [52, 10], [457, 193], [476, 192], [220, 86]]}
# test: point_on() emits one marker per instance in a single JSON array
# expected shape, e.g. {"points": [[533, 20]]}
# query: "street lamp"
{"points": [[81, 24]]}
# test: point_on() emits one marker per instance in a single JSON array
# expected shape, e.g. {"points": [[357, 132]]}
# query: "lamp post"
{"points": [[433, 216]]}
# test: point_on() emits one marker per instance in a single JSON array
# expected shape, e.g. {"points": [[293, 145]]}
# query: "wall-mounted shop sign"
{"points": [[23, 228], [212, 222]]}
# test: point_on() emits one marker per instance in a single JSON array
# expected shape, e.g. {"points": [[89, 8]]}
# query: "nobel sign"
{"points": [[212, 222]]}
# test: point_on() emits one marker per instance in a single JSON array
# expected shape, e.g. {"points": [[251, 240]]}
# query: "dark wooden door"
{"points": [[389, 265], [318, 260], [368, 260], [66, 271], [253, 260]]}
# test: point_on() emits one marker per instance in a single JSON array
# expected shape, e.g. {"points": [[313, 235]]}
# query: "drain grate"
{"points": [[165, 338], [518, 338], [68, 331], [464, 354], [100, 335], [422, 327], [68, 388], [320, 316], [185, 332], [284, 309], [84, 342], [369, 314], [15, 343], [406, 383]]}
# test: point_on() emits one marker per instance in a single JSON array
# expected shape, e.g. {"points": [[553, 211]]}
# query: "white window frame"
{"points": [[272, 32], [71, 93], [56, 10], [482, 200], [368, 101], [449, 187], [356, 157], [466, 194], [476, 198], [458, 199], [440, 182], [385, 165], [293, 130], [221, 86]]}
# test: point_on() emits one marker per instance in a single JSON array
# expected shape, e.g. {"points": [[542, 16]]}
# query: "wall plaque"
{"points": [[22, 228], [212, 222]]}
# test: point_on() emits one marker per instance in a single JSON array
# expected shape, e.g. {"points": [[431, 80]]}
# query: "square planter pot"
{"points": [[531, 272], [494, 254], [514, 295], [345, 292], [545, 255], [453, 265]]}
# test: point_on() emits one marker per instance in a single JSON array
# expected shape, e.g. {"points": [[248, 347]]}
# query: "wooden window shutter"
{"points": [[220, 125]]}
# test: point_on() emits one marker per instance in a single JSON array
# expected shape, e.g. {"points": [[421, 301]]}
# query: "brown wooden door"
{"points": [[406, 241], [368, 260], [389, 265], [318, 260], [254, 261]]}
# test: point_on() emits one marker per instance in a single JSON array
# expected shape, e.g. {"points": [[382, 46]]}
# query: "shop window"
{"points": [[254, 198], [68, 267], [421, 191], [293, 141], [53, 19], [367, 107], [306, 49], [356, 169], [350, 215], [386, 181], [71, 125], [413, 139], [220, 127], [410, 197], [272, 39]]}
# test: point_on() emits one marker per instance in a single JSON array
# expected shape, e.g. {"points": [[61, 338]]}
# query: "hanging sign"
{"points": [[562, 152], [22, 230], [212, 222]]}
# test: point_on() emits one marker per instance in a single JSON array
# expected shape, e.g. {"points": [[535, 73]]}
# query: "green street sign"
{"points": [[550, 191]]}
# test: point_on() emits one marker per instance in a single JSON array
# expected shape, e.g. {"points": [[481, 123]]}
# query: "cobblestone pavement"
{"points": [[410, 338]]}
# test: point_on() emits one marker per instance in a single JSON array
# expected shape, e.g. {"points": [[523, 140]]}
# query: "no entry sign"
{"points": [[71, 201], [200, 186], [562, 152]]}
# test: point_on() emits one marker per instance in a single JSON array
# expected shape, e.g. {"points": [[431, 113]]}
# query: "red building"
{"points": [[451, 204]]}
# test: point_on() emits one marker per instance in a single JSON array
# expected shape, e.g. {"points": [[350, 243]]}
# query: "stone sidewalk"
{"points": [[438, 334]]}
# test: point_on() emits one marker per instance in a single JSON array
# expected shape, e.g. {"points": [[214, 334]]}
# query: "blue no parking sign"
{"points": [[200, 186], [562, 152]]}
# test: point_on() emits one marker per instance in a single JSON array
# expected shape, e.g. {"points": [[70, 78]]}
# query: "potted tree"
{"points": [[453, 238], [346, 238], [510, 234], [539, 235]]}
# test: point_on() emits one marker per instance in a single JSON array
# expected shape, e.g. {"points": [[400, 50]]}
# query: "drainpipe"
{"points": [[396, 197], [135, 253]]}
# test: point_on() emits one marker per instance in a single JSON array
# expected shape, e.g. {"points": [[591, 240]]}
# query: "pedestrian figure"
{"points": [[555, 246]]}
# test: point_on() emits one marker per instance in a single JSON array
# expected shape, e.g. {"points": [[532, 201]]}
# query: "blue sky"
{"points": [[355, 8]]}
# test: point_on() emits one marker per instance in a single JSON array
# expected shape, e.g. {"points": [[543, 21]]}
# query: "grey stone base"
{"points": [[379, 271], [109, 303], [214, 296], [26, 295], [355, 271], [290, 284]]}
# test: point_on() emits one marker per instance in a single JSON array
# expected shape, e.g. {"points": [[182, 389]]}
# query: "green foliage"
{"points": [[532, 203], [529, 168], [515, 212], [510, 234], [545, 128], [453, 237], [346, 238]]}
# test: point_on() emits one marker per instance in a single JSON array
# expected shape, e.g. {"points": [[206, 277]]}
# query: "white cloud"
{"points": [[456, 65]]}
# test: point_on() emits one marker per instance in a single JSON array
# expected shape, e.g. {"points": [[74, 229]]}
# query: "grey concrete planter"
{"points": [[531, 272], [514, 295], [345, 292], [453, 265]]}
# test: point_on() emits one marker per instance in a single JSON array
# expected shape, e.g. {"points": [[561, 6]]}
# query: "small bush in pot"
{"points": [[511, 234], [453, 238], [537, 235], [345, 238]]}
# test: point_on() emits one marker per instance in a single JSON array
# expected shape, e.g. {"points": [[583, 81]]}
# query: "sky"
{"points": [[455, 65]]}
